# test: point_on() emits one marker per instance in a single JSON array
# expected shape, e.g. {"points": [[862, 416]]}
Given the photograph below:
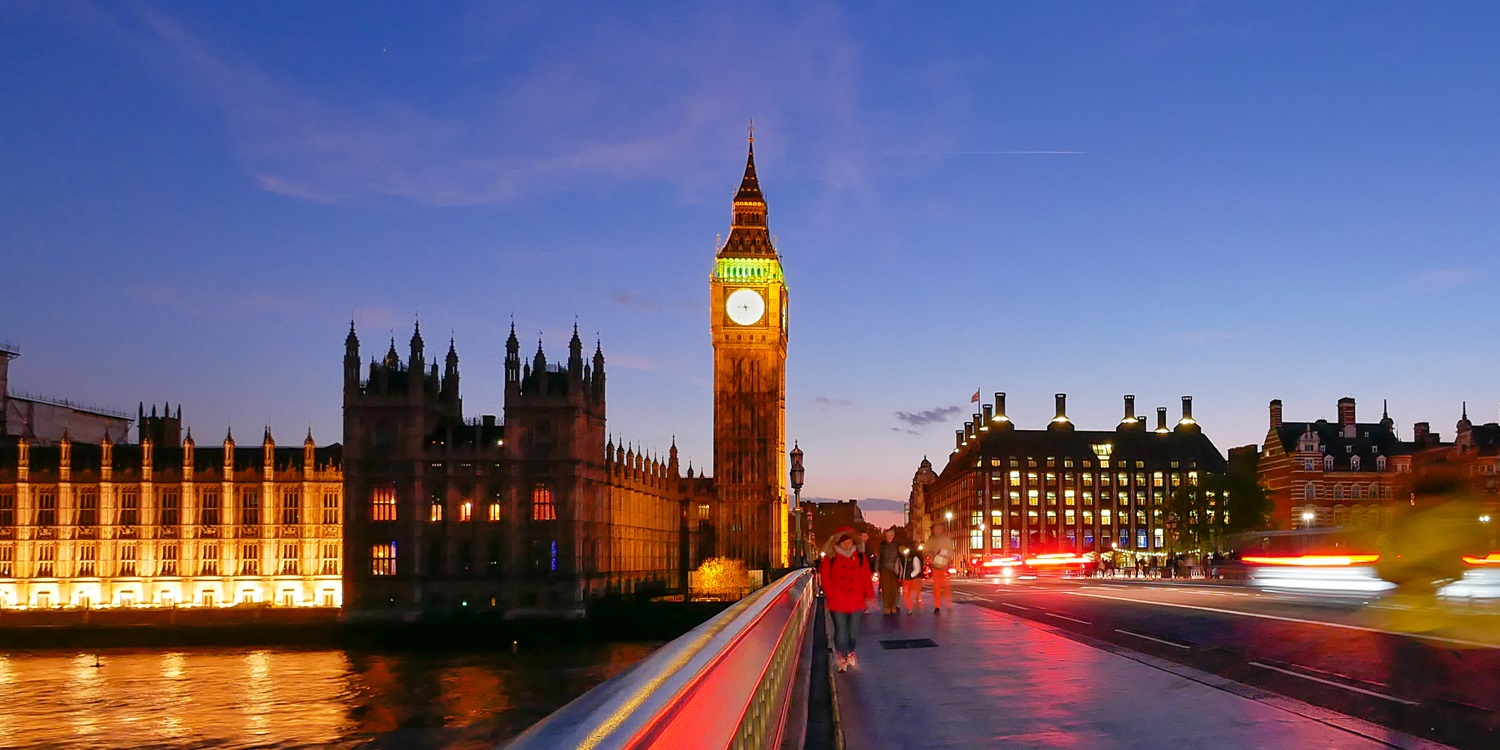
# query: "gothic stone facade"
{"points": [[166, 523], [536, 511]]}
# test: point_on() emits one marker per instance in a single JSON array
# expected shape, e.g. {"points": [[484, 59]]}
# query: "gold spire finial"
{"points": [[752, 130]]}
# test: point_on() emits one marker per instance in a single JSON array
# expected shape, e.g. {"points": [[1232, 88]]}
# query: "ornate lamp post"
{"points": [[797, 475]]}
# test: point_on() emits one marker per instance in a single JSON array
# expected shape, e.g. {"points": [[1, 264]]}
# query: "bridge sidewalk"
{"points": [[998, 681]]}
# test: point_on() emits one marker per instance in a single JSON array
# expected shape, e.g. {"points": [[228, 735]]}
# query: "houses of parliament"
{"points": [[422, 509]]}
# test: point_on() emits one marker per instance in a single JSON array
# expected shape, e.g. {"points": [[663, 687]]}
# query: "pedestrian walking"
{"points": [[912, 563], [845, 577], [889, 565], [940, 548]]}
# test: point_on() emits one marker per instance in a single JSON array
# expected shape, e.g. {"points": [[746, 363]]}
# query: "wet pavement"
{"points": [[992, 680]]}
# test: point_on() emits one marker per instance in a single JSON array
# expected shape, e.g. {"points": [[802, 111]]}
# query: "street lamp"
{"points": [[1308, 517], [797, 476]]}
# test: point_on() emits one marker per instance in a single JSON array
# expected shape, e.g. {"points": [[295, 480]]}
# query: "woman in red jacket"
{"points": [[845, 574]]}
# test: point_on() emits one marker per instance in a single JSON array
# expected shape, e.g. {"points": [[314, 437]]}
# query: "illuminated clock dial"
{"points": [[745, 306]]}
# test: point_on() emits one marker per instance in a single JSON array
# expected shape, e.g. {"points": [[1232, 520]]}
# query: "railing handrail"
{"points": [[633, 706]]}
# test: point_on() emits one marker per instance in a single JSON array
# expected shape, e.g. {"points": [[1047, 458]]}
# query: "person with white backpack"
{"points": [[941, 553]]}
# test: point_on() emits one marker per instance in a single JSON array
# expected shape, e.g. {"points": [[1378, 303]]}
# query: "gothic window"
{"points": [[383, 504], [250, 507], [46, 509], [250, 559], [88, 555], [127, 560], [289, 559], [542, 507], [330, 558], [171, 509], [383, 559], [88, 508], [291, 508], [130, 509], [208, 508], [46, 561], [330, 508], [168, 560], [7, 509], [209, 565], [7, 561], [465, 511], [435, 511], [494, 510]]}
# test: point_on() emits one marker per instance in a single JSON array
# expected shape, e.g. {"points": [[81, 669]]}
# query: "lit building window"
{"points": [[383, 559], [291, 508], [88, 508], [46, 509], [703, 511], [208, 507], [250, 559], [7, 509], [542, 507], [127, 560], [250, 507], [289, 559], [330, 558], [171, 509], [168, 560], [465, 511], [435, 512], [46, 561], [88, 555], [209, 564], [7, 561], [331, 508], [383, 504], [494, 514]]}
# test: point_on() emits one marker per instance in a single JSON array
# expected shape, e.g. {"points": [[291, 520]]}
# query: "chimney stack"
{"points": [[1129, 408], [958, 440], [1187, 408], [1346, 412], [989, 415], [1161, 419], [1419, 432], [1275, 413], [1062, 406], [1000, 405]]}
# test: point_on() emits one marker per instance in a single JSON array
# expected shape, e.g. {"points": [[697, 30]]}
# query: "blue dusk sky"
{"points": [[1237, 201]]}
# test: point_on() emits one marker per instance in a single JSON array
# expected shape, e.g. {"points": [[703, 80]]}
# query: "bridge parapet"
{"points": [[726, 684]]}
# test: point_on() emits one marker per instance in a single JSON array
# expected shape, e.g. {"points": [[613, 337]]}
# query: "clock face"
{"points": [[745, 306]]}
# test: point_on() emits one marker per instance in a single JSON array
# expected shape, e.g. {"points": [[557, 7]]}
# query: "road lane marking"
{"points": [[1015, 606], [1335, 684], [1065, 617], [1361, 628], [1149, 638]]}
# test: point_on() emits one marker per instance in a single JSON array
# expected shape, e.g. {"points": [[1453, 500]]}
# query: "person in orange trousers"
{"points": [[912, 563]]}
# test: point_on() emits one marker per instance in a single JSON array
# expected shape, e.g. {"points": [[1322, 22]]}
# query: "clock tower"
{"points": [[748, 303]]}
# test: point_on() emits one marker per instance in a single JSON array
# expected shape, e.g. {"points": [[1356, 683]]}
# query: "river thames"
{"points": [[283, 698]]}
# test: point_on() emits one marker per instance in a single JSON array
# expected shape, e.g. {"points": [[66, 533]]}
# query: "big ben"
{"points": [[748, 303]]}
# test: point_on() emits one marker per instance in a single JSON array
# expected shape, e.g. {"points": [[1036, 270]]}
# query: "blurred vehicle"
{"points": [[995, 565], [1336, 561], [1058, 564]]}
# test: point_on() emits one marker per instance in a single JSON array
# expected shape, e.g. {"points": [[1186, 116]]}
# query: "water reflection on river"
{"points": [[268, 698]]}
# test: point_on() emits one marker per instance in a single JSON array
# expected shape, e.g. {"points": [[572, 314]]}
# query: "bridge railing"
{"points": [[726, 684]]}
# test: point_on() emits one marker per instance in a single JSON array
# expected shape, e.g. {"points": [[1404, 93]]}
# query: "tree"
{"points": [[1219, 505], [1247, 503]]}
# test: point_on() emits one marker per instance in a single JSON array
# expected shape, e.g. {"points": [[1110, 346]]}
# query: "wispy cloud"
{"points": [[1439, 279], [626, 299], [826, 402], [557, 123], [930, 416]]}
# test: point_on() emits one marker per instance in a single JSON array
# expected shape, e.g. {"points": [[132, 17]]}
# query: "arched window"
{"points": [[1309, 491], [1340, 515], [1328, 463], [1380, 463], [1354, 463], [1338, 490]]}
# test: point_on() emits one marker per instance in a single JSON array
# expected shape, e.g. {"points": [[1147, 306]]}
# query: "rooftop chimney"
{"points": [[1161, 419], [1420, 431], [1346, 416], [1062, 406], [1187, 408], [1129, 409], [1000, 406], [1275, 413]]}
